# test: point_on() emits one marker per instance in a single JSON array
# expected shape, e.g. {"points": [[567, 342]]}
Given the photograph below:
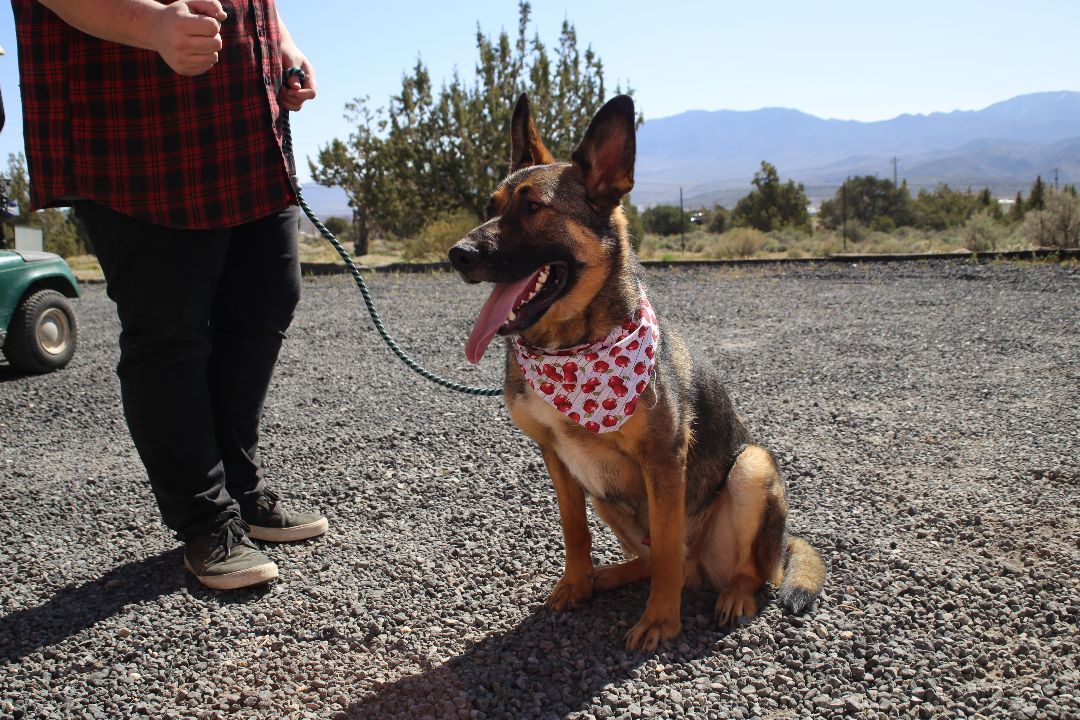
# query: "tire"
{"points": [[42, 334]]}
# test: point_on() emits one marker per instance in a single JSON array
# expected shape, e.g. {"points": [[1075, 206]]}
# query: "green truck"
{"points": [[38, 331]]}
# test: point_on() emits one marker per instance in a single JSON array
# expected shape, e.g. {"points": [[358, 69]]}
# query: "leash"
{"points": [[287, 148]]}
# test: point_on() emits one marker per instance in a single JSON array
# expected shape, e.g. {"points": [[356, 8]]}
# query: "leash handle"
{"points": [[287, 148], [295, 71]]}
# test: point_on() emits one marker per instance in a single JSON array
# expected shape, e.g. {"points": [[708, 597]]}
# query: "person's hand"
{"points": [[293, 95], [188, 35]]}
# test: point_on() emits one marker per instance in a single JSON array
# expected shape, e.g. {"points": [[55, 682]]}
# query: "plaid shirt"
{"points": [[116, 125]]}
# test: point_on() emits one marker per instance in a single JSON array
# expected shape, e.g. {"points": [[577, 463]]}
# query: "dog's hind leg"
{"points": [[576, 584], [745, 542]]}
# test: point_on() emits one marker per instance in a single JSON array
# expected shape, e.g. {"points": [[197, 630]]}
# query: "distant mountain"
{"points": [[326, 202], [714, 155]]}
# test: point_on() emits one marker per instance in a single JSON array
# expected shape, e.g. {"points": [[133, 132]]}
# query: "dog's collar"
{"points": [[596, 385]]}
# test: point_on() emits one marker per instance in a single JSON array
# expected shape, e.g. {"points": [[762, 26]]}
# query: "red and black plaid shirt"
{"points": [[116, 125]]}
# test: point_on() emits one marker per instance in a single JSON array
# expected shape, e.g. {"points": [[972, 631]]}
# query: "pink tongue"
{"points": [[493, 316]]}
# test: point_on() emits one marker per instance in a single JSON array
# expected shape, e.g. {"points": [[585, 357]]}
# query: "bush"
{"points": [[875, 202], [944, 208], [634, 226], [436, 238], [772, 205], [883, 223], [785, 239], [982, 233], [64, 233], [1058, 225], [719, 219], [665, 220], [739, 243], [855, 231], [340, 227]]}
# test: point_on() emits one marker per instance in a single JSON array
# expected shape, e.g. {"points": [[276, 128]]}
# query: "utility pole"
{"points": [[682, 223], [843, 211], [895, 162], [1055, 179]]}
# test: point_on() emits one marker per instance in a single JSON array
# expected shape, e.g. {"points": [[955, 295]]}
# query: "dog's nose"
{"points": [[464, 256]]}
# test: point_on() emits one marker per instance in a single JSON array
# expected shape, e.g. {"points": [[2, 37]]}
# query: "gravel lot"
{"points": [[925, 416]]}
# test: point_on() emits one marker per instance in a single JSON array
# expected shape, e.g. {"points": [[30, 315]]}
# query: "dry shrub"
{"points": [[1058, 225], [437, 237], [739, 243], [982, 233]]}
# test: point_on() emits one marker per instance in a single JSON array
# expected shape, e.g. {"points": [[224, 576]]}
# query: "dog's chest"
{"points": [[594, 460]]}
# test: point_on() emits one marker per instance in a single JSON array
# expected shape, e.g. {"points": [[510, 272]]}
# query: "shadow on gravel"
{"points": [[560, 663], [78, 607], [8, 373]]}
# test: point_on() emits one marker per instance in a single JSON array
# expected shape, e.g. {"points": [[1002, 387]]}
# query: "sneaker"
{"points": [[224, 558], [270, 521]]}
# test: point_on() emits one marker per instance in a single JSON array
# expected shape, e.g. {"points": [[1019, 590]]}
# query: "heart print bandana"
{"points": [[596, 385]]}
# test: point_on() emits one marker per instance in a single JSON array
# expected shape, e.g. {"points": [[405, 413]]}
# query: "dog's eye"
{"points": [[533, 206]]}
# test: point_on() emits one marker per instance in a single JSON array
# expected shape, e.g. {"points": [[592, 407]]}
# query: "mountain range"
{"points": [[713, 155]]}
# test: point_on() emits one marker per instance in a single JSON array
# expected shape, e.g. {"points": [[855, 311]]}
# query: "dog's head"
{"points": [[552, 227]]}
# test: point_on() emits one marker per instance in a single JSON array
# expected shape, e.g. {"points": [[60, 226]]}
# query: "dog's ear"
{"points": [[526, 147], [606, 154]]}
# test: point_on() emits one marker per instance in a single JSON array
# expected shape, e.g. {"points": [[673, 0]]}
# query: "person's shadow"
{"points": [[75, 608], [550, 665]]}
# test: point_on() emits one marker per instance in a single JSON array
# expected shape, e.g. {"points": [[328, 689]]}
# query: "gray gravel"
{"points": [[925, 416]]}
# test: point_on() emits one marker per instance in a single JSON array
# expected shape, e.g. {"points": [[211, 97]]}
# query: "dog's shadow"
{"points": [[549, 665]]}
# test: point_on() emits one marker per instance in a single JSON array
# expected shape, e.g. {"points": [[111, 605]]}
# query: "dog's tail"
{"points": [[804, 574]]}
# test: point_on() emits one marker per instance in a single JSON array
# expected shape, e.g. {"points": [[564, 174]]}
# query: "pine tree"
{"points": [[434, 152], [1016, 212], [772, 205], [1037, 197]]}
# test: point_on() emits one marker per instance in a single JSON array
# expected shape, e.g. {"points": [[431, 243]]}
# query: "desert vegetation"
{"points": [[866, 215]]}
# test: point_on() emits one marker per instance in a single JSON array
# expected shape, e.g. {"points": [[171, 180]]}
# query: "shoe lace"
{"points": [[268, 500], [232, 533]]}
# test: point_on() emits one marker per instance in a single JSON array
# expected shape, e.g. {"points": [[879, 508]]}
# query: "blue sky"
{"points": [[867, 60]]}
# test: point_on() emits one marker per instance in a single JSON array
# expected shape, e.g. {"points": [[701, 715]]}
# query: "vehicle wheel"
{"points": [[42, 333]]}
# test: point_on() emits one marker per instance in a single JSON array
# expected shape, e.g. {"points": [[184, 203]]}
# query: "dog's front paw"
{"points": [[650, 631], [570, 593]]}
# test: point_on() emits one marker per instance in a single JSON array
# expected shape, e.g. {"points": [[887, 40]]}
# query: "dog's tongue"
{"points": [[493, 316]]}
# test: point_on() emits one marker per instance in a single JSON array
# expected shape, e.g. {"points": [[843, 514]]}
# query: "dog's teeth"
{"points": [[541, 278]]}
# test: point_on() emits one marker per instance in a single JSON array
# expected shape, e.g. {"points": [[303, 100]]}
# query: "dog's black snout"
{"points": [[464, 256]]}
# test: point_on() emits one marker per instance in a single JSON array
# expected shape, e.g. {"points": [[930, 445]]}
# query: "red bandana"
{"points": [[596, 385]]}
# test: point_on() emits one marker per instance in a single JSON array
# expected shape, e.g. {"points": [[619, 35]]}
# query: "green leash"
{"points": [[287, 147]]}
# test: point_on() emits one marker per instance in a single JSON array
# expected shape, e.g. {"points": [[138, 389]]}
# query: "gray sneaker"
{"points": [[224, 558], [270, 521]]}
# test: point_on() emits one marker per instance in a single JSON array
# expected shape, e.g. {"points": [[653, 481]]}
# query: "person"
{"points": [[3, 117], [161, 124], [4, 189]]}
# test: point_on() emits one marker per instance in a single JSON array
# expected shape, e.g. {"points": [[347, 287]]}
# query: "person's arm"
{"points": [[293, 95], [185, 33]]}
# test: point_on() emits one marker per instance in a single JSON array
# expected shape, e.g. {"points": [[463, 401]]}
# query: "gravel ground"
{"points": [[925, 416]]}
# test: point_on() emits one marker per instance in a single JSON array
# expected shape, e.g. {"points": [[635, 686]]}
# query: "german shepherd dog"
{"points": [[667, 463]]}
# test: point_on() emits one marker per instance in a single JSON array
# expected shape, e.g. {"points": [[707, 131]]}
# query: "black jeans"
{"points": [[202, 317]]}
